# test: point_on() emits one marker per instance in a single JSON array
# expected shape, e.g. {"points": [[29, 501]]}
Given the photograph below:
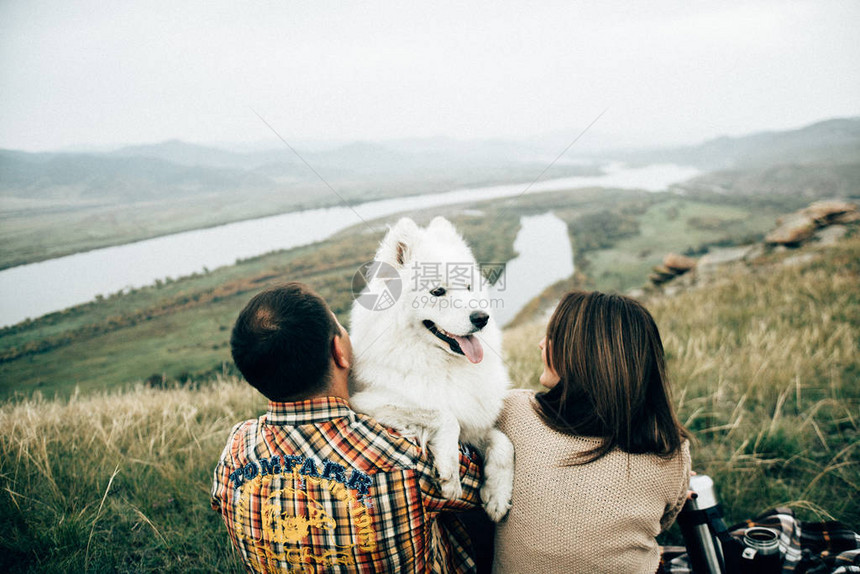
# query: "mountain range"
{"points": [[179, 168], [831, 141], [57, 203]]}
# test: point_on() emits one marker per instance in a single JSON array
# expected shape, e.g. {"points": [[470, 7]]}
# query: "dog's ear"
{"points": [[397, 245], [440, 224]]}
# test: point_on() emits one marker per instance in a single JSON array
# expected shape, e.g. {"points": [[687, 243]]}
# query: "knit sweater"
{"points": [[599, 517]]}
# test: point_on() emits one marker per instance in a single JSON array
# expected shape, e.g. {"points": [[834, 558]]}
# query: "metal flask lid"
{"points": [[764, 540], [703, 486]]}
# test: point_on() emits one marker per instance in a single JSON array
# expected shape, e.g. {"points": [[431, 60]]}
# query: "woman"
{"points": [[602, 463]]}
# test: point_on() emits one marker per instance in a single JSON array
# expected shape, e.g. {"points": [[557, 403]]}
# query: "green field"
{"points": [[676, 225]]}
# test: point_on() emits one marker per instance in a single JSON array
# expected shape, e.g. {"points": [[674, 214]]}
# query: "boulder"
{"points": [[846, 218], [678, 263], [824, 212], [793, 230], [661, 275]]}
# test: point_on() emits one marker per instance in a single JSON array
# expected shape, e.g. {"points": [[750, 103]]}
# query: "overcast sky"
{"points": [[106, 73]]}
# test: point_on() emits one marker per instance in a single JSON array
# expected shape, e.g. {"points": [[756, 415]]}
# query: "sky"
{"points": [[663, 72]]}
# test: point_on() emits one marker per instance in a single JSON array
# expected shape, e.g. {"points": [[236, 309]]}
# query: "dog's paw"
{"points": [[496, 506], [451, 488], [498, 486], [449, 481]]}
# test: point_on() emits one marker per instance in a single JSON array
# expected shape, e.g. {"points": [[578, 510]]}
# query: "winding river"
{"points": [[544, 257], [39, 288]]}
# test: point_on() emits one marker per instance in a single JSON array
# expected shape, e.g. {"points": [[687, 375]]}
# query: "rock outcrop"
{"points": [[829, 212], [673, 266], [680, 264], [800, 226], [793, 230], [823, 222]]}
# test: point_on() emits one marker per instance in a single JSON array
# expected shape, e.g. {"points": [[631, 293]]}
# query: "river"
{"points": [[39, 288], [544, 257]]}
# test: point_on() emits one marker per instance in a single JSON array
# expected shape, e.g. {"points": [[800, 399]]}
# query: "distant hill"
{"points": [[358, 157], [43, 176], [183, 153], [775, 184], [830, 141], [156, 168], [176, 169]]}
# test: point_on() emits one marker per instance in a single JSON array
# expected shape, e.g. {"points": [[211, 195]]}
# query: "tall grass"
{"points": [[117, 482], [766, 370]]}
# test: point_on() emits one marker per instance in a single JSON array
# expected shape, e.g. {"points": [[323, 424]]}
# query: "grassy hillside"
{"points": [[764, 366], [117, 483]]}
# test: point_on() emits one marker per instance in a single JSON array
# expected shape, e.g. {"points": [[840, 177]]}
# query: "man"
{"points": [[312, 486]]}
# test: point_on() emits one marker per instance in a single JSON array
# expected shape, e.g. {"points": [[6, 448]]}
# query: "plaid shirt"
{"points": [[313, 486]]}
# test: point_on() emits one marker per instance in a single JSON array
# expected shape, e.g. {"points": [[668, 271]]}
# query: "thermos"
{"points": [[710, 547], [700, 521]]}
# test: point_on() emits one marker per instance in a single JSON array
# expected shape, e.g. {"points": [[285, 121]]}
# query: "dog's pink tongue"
{"points": [[471, 347]]}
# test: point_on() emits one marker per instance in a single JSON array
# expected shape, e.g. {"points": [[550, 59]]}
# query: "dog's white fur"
{"points": [[409, 379]]}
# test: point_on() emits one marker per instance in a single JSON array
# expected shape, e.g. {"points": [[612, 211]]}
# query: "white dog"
{"points": [[428, 362]]}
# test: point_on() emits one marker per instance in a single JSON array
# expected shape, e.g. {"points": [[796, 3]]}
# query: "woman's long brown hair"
{"points": [[607, 352]]}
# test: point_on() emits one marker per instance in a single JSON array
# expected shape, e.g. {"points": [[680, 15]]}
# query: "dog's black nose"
{"points": [[479, 319]]}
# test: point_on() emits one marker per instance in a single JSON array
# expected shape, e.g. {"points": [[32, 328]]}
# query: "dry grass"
{"points": [[117, 482], [765, 367], [766, 371]]}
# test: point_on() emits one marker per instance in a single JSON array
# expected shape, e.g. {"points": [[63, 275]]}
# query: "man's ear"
{"points": [[339, 352]]}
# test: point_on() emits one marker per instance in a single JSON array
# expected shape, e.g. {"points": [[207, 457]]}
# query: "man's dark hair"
{"points": [[281, 342]]}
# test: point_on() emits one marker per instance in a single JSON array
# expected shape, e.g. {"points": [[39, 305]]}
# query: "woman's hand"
{"points": [[691, 494]]}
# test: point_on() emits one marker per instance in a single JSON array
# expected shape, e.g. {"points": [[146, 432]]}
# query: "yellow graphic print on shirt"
{"points": [[281, 528]]}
